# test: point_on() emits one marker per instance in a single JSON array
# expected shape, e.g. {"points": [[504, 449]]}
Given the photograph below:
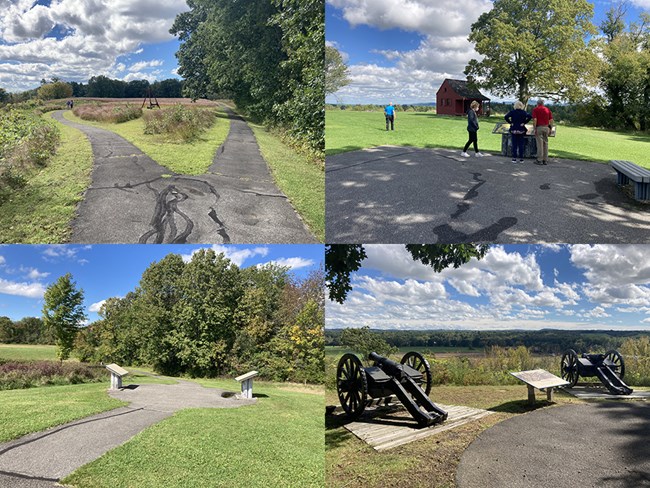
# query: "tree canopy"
{"points": [[265, 55], [336, 72], [341, 260], [535, 48], [63, 313], [55, 90]]}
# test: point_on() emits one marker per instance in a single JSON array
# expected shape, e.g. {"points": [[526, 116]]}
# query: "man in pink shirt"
{"points": [[543, 123]]}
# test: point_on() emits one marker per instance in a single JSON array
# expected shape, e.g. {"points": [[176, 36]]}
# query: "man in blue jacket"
{"points": [[389, 112]]}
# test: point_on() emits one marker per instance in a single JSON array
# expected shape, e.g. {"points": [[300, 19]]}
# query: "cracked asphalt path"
{"points": [[40, 459], [603, 444], [394, 194], [133, 199]]}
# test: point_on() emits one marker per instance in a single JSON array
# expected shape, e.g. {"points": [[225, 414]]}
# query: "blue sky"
{"points": [[402, 50], [513, 287], [105, 271], [77, 39]]}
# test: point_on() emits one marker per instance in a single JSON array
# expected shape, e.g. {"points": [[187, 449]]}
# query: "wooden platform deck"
{"points": [[395, 427]]}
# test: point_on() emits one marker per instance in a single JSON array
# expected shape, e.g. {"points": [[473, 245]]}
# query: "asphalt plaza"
{"points": [[395, 194]]}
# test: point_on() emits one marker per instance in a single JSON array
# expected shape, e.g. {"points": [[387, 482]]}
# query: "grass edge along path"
{"points": [[432, 461], [42, 211], [301, 180], [350, 131], [191, 158], [35, 409], [274, 443]]}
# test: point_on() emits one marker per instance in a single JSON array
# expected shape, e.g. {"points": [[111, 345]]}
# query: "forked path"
{"points": [[133, 199], [40, 459]]}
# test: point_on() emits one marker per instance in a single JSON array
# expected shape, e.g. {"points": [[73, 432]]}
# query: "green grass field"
{"points": [[36, 409], [192, 158], [349, 131], [27, 352], [41, 212], [277, 442], [301, 180]]}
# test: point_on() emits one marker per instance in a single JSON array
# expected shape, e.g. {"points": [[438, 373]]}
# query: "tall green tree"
{"points": [[63, 313], [341, 260], [535, 48], [363, 341], [336, 72], [55, 90]]}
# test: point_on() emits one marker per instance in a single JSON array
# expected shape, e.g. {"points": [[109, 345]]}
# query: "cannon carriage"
{"points": [[409, 380], [609, 368]]}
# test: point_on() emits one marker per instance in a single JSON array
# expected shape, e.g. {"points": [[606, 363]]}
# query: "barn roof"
{"points": [[466, 90]]}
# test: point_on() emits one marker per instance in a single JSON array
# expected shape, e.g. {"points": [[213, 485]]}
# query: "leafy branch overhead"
{"points": [[341, 260]]}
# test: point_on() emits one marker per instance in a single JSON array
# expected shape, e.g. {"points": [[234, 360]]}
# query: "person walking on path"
{"points": [[518, 118], [543, 123], [389, 112], [472, 129]]}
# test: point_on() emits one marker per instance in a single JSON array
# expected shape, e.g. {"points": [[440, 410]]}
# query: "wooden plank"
{"points": [[386, 433]]}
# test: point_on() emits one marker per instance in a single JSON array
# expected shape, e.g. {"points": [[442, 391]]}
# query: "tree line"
{"points": [[204, 317], [28, 330], [539, 342], [267, 56]]}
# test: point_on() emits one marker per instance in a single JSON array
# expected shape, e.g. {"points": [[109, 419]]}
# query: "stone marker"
{"points": [[116, 375], [246, 381], [540, 379]]}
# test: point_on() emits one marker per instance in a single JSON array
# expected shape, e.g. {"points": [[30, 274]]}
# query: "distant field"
{"points": [[161, 101], [27, 352], [447, 351], [350, 131]]}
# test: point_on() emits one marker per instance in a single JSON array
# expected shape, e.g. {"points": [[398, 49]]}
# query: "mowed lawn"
{"points": [[277, 442], [27, 352], [350, 131], [36, 409]]}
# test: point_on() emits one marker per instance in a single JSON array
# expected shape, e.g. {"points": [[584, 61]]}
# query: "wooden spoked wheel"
{"points": [[352, 385], [569, 367], [416, 361], [616, 359]]}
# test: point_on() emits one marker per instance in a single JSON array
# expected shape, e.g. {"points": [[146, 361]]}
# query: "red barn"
{"points": [[455, 96]]}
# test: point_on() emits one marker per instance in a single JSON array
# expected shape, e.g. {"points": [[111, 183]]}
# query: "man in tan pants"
{"points": [[543, 123]]}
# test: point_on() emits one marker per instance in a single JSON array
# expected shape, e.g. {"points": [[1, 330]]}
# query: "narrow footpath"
{"points": [[41, 459], [133, 199]]}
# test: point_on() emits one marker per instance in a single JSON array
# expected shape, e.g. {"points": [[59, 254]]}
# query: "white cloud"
{"points": [[140, 65], [96, 307], [2, 260], [92, 35], [29, 290], [237, 256], [35, 274], [293, 263], [416, 75]]}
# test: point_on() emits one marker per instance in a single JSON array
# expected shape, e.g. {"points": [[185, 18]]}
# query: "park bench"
{"points": [[539, 379], [246, 381], [117, 373], [626, 171]]}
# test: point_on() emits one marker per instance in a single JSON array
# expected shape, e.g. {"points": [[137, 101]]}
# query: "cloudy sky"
{"points": [[105, 271], [513, 287], [77, 39], [402, 50]]}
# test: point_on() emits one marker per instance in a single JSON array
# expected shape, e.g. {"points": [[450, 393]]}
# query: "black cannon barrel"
{"points": [[389, 366]]}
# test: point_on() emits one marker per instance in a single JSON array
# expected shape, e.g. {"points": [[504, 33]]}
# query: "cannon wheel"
{"points": [[616, 358], [416, 361], [569, 367], [352, 385]]}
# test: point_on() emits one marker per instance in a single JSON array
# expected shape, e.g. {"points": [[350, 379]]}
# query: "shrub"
{"points": [[26, 140], [107, 112], [29, 374], [179, 122]]}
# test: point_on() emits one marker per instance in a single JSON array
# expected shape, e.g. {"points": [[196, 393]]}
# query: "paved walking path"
{"points": [[133, 199], [42, 458], [395, 194], [603, 444]]}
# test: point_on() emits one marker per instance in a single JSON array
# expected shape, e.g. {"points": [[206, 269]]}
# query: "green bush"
{"points": [[26, 141], [179, 122]]}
